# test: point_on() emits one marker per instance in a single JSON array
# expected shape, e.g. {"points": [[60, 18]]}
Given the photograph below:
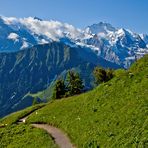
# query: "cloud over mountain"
{"points": [[117, 45]]}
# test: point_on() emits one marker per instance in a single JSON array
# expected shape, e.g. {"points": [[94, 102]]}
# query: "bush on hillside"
{"points": [[101, 75]]}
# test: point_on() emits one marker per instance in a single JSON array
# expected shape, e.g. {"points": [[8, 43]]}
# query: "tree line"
{"points": [[73, 84]]}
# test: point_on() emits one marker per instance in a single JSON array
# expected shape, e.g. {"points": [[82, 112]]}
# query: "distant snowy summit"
{"points": [[118, 45]]}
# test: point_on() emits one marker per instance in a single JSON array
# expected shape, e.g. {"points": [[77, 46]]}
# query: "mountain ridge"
{"points": [[34, 69], [117, 45]]}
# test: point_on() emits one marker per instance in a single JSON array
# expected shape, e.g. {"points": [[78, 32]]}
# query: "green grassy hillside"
{"points": [[115, 114], [23, 136], [14, 117], [13, 135]]}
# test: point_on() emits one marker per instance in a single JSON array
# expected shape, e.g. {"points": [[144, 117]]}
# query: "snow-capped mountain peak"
{"points": [[116, 45], [100, 28], [121, 32]]}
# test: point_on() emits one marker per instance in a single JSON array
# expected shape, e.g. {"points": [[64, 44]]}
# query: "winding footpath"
{"points": [[59, 136]]}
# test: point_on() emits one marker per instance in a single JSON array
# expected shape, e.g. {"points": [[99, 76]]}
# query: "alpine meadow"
{"points": [[73, 86]]}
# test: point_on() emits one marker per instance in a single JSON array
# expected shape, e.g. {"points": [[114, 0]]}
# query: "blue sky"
{"points": [[131, 14]]}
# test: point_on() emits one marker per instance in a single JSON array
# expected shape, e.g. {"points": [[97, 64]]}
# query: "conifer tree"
{"points": [[74, 83], [59, 89]]}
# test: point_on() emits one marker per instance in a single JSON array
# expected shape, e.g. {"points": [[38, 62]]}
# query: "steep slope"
{"points": [[34, 69], [104, 117], [112, 115]]}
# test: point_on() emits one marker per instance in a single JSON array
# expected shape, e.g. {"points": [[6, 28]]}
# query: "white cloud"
{"points": [[51, 29], [9, 20], [13, 36]]}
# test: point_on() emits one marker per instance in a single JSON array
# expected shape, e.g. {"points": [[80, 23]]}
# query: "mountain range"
{"points": [[35, 52], [117, 45]]}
